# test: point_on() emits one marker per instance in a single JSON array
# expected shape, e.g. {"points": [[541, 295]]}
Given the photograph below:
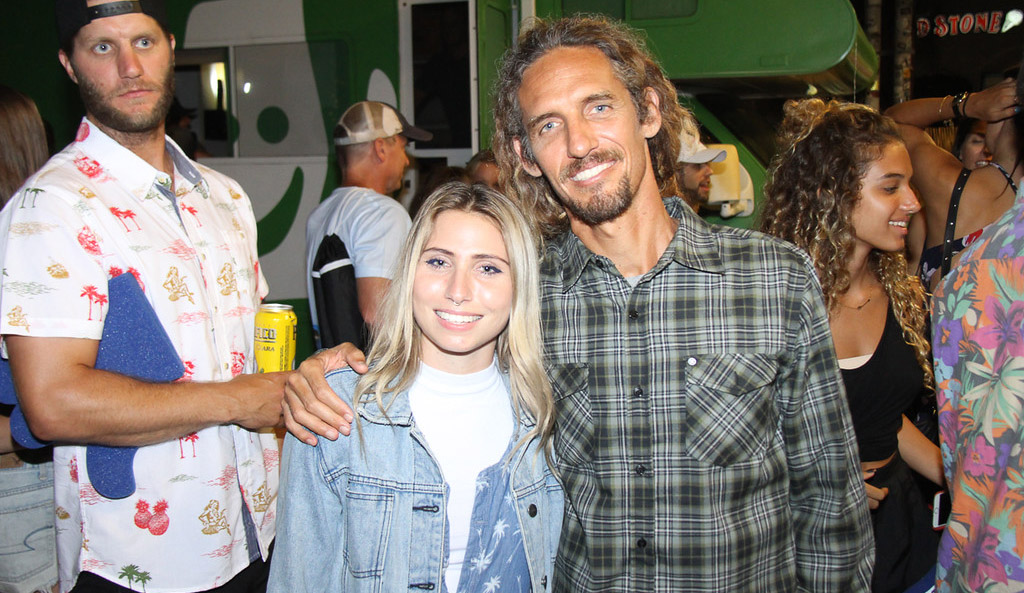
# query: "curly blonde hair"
{"points": [[634, 67], [814, 182]]}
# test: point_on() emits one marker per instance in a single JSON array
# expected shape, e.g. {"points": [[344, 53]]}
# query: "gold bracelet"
{"points": [[941, 103]]}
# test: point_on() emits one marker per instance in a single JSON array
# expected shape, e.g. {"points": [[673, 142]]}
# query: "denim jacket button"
{"points": [[531, 510]]}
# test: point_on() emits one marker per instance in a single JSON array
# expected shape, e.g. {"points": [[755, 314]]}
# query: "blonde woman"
{"points": [[445, 485], [839, 188]]}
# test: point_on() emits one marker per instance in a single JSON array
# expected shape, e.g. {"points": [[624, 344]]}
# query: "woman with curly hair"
{"points": [[840, 189]]}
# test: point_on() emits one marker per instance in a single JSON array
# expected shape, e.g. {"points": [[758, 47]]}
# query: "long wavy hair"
{"points": [[634, 67], [394, 356], [22, 141], [814, 183]]}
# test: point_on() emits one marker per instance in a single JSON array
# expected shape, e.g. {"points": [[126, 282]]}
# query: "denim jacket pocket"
{"points": [[574, 437], [730, 415], [369, 511]]}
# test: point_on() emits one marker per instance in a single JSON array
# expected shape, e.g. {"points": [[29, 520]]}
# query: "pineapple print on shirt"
{"points": [[156, 522]]}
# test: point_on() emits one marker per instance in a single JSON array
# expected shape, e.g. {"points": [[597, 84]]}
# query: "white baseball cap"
{"points": [[368, 120], [692, 150]]}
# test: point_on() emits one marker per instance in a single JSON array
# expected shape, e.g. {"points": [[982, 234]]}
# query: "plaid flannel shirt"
{"points": [[703, 435]]}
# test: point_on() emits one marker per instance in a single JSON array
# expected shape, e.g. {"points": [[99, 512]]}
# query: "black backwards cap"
{"points": [[72, 15]]}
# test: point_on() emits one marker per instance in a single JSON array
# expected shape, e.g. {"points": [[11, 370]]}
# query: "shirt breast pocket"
{"points": [[369, 511], [574, 437], [731, 417]]}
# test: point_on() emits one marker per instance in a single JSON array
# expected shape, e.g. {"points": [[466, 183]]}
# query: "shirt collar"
{"points": [[126, 166], [694, 245]]}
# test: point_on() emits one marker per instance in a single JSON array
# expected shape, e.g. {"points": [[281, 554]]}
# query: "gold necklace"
{"points": [[858, 307]]}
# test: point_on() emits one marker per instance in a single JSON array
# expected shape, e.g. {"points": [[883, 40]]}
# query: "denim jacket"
{"points": [[389, 497]]}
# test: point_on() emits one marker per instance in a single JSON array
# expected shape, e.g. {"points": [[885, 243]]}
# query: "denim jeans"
{"points": [[28, 551]]}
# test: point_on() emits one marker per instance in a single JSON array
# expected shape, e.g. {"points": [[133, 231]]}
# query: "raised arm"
{"points": [[936, 170], [65, 399], [995, 103]]}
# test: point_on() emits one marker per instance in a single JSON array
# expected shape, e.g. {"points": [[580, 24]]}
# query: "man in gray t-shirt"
{"points": [[354, 236]]}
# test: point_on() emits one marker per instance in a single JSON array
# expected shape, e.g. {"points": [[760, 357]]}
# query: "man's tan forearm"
{"points": [[65, 399]]}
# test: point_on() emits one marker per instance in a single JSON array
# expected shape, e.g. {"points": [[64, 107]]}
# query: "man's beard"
{"points": [[603, 206], [693, 196], [106, 114]]}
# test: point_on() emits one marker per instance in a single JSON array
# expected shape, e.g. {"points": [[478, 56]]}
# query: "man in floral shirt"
{"points": [[978, 338], [123, 199]]}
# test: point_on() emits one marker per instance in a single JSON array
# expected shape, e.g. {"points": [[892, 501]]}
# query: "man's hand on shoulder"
{"points": [[310, 405]]}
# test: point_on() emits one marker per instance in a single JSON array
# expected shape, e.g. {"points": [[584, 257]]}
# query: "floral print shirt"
{"points": [[95, 211], [978, 338]]}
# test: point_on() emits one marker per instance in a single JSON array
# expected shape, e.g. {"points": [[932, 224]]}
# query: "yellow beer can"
{"points": [[276, 326]]}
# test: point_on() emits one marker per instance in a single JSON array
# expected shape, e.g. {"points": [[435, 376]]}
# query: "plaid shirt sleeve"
{"points": [[832, 529]]}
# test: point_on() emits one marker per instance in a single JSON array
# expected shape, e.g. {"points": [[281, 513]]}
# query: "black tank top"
{"points": [[880, 390]]}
